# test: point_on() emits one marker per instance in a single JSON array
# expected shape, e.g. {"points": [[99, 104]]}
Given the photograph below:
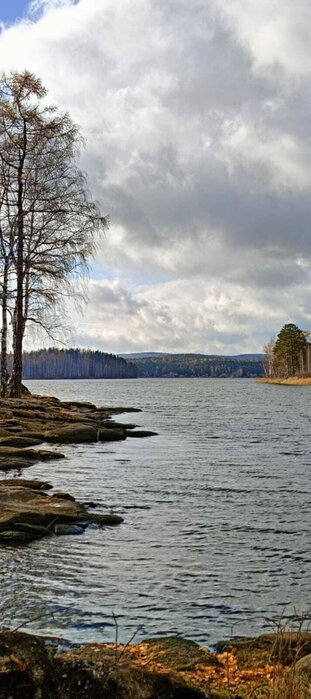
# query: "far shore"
{"points": [[290, 381]]}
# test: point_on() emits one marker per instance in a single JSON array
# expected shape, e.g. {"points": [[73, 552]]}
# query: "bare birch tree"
{"points": [[51, 218]]}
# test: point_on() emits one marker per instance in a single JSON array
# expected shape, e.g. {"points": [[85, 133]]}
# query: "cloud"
{"points": [[197, 129]]}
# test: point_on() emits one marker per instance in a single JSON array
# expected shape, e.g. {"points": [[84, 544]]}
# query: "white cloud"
{"points": [[198, 143]]}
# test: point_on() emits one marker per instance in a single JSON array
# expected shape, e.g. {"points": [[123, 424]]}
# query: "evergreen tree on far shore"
{"points": [[288, 349]]}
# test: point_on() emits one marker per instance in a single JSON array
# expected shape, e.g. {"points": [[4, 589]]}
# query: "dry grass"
{"points": [[291, 381]]}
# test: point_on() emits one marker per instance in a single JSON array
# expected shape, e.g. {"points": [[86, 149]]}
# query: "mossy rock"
{"points": [[97, 672], [179, 654], [72, 434], [284, 647]]}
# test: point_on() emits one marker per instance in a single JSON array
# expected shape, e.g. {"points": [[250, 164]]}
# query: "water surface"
{"points": [[224, 541]]}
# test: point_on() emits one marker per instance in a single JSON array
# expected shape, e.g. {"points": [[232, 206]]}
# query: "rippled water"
{"points": [[226, 541]]}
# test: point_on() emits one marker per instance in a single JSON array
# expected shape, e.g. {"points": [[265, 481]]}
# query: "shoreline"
{"points": [[290, 381]]}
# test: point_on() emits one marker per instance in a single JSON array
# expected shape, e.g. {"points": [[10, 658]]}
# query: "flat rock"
{"points": [[72, 434], [19, 441], [14, 463], [31, 454], [25, 483], [22, 505]]}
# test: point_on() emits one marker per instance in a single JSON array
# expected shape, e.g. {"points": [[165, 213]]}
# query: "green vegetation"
{"points": [[289, 349]]}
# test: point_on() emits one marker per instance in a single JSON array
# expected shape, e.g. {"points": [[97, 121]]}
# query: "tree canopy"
{"points": [[288, 348]]}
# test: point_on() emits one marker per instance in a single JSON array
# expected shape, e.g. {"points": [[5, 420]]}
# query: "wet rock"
{"points": [[33, 530], [108, 520], [13, 536], [141, 433], [19, 441], [65, 496], [25, 483], [117, 411], [79, 404], [72, 434], [24, 506], [12, 464], [28, 454], [68, 529], [46, 455], [110, 435], [111, 424]]}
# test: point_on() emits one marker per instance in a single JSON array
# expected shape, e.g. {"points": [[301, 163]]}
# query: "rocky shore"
{"points": [[27, 510], [271, 666]]}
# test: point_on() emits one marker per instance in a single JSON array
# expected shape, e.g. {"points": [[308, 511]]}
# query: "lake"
{"points": [[223, 542]]}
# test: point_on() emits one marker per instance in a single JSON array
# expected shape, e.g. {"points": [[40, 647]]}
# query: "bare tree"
{"points": [[51, 218], [269, 357]]}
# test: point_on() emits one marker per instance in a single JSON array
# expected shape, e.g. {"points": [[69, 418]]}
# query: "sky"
{"points": [[197, 125]]}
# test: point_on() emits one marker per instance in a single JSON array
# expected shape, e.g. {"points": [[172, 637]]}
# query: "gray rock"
{"points": [[68, 529]]}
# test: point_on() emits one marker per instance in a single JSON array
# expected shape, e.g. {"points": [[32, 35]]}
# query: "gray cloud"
{"points": [[198, 144]]}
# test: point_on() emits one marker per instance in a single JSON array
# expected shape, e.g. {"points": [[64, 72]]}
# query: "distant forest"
{"points": [[188, 365], [87, 364], [75, 364]]}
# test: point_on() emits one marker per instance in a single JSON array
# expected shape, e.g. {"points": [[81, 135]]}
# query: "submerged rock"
{"points": [[108, 520], [68, 529], [141, 433]]}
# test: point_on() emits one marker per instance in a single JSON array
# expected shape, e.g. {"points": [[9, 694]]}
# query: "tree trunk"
{"points": [[4, 332], [19, 316]]}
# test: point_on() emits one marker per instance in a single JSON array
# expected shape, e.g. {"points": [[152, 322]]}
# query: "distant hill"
{"points": [[143, 355], [156, 365]]}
